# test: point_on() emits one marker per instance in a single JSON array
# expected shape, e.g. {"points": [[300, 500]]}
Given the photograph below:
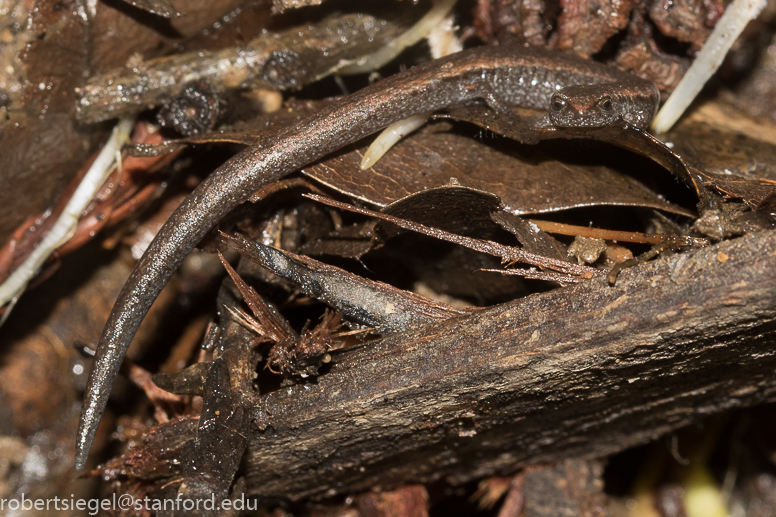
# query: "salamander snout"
{"points": [[583, 106], [599, 105]]}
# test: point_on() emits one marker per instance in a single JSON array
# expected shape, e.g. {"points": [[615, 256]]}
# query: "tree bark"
{"points": [[582, 371]]}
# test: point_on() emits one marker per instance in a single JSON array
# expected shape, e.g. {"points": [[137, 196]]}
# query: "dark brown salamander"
{"points": [[576, 93]]}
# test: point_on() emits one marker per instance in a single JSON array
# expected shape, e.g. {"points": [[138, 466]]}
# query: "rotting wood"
{"points": [[583, 371]]}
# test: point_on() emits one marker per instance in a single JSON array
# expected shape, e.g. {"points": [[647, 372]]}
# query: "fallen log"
{"points": [[579, 372]]}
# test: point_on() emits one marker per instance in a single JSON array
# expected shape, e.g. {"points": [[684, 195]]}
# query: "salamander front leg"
{"points": [[495, 101], [522, 127]]}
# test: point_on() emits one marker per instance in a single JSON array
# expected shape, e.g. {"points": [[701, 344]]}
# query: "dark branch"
{"points": [[583, 371]]}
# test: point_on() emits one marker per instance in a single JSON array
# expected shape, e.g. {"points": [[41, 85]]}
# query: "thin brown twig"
{"points": [[618, 236], [506, 253]]}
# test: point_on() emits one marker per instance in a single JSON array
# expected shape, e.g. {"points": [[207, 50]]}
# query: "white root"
{"points": [[729, 27], [439, 28], [65, 226]]}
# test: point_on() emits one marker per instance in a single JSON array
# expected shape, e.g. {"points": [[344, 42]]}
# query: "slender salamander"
{"points": [[576, 93]]}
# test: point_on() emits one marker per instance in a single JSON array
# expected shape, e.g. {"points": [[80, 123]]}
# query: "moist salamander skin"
{"points": [[500, 76]]}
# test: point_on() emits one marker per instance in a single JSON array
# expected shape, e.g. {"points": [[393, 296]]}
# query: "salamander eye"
{"points": [[605, 103], [557, 102]]}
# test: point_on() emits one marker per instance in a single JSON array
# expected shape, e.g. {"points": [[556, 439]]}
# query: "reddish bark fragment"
{"points": [[408, 501], [513, 503], [689, 21], [524, 20], [585, 26], [572, 488], [647, 62]]}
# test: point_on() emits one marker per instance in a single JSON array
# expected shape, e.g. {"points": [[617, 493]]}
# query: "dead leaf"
{"points": [[525, 180]]}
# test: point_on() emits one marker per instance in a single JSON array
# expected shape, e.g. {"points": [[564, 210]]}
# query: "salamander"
{"points": [[575, 93]]}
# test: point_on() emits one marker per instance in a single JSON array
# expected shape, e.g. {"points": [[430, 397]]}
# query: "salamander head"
{"points": [[600, 105], [583, 106]]}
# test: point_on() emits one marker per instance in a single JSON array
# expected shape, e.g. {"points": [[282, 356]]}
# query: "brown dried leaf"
{"points": [[524, 179], [273, 325], [351, 241], [54, 61], [32, 178], [734, 152], [530, 236], [120, 32], [758, 194], [626, 136], [452, 207]]}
